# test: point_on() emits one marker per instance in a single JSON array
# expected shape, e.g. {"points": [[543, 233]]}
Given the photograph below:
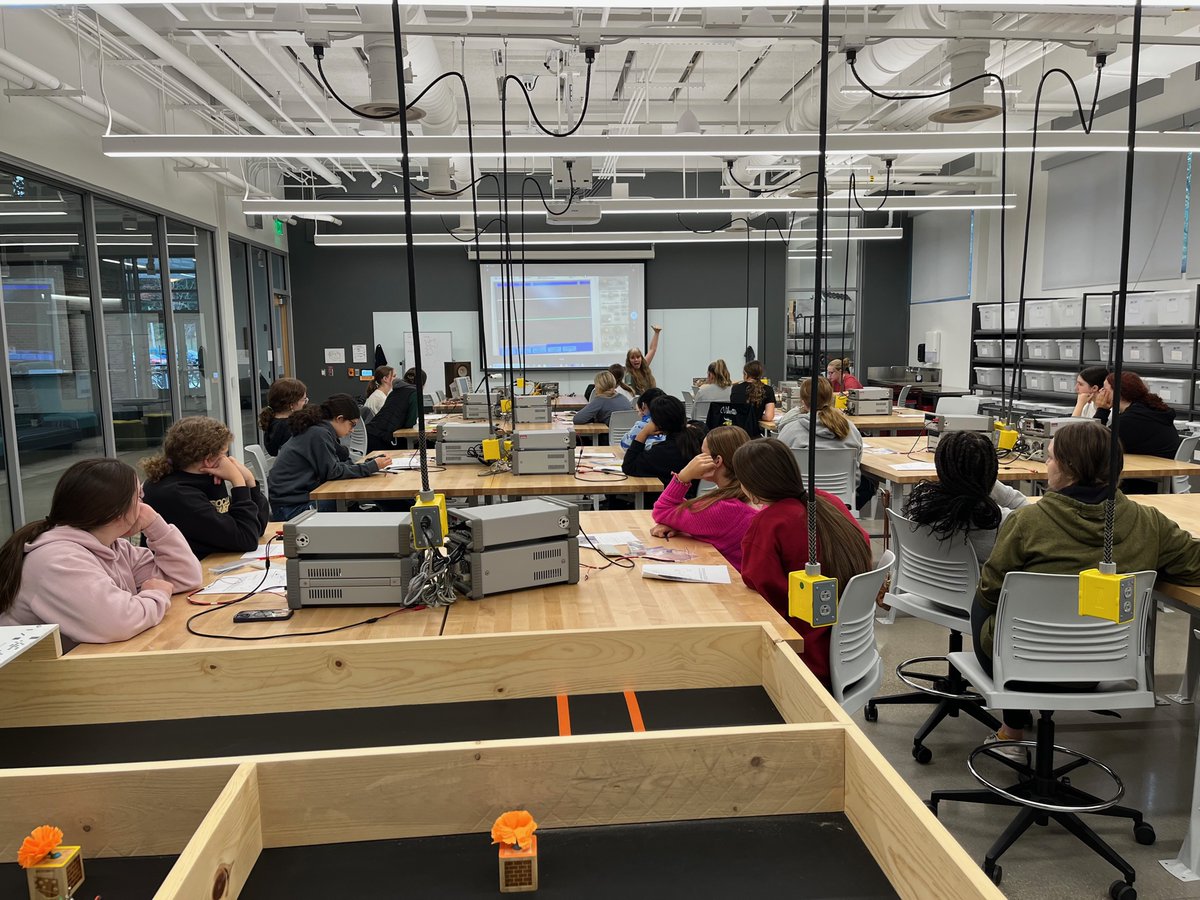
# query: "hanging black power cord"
{"points": [[768, 189], [887, 189], [1108, 565], [851, 59], [1086, 123]]}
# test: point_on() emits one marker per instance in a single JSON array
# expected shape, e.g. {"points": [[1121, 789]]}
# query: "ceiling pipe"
{"points": [[169, 53]]}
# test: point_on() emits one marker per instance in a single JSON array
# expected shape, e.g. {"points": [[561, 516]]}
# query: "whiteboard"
{"points": [[392, 330], [692, 338], [436, 351]]}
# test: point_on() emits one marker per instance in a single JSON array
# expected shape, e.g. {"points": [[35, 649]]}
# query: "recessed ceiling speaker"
{"points": [[968, 60]]}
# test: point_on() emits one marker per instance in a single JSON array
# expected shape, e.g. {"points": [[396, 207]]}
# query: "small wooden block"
{"points": [[518, 868], [57, 876]]}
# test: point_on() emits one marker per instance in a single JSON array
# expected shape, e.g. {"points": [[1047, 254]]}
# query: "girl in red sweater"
{"points": [[719, 517], [777, 540]]}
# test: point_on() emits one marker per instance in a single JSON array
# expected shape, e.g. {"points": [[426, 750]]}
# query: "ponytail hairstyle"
{"points": [[768, 471], [720, 373], [282, 396], [91, 493], [960, 500], [1134, 390], [723, 441], [669, 415], [410, 377], [618, 374], [190, 440], [606, 385], [315, 413], [381, 372], [827, 414], [755, 392], [642, 379]]}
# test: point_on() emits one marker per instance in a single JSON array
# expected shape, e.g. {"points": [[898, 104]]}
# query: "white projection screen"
{"points": [[564, 315]]}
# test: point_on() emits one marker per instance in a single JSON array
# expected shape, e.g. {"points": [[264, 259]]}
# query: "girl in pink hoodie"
{"points": [[719, 517], [76, 570]]}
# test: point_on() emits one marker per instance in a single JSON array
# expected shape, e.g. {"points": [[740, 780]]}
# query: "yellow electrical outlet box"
{"points": [[813, 598], [508, 448], [491, 450], [505, 406], [1106, 596], [521, 383], [429, 521], [841, 401], [1008, 437]]}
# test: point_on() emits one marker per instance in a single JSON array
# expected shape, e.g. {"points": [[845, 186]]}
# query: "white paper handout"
{"points": [[915, 467], [276, 580], [695, 574], [607, 538]]}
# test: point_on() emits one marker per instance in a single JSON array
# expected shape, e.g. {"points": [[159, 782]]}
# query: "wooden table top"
{"points": [[613, 597], [884, 466], [899, 417], [474, 481], [570, 403], [590, 428]]}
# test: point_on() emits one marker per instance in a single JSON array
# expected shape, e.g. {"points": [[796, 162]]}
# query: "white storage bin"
{"points": [[1071, 348], [1172, 390], [987, 376], [1176, 352], [1098, 311], [1176, 308], [1064, 383], [1141, 309], [1142, 350], [1039, 314], [1068, 313], [989, 317], [987, 349], [1041, 350], [1037, 380], [1102, 351]]}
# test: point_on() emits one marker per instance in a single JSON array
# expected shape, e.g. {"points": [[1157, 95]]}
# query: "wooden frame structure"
{"points": [[219, 814]]}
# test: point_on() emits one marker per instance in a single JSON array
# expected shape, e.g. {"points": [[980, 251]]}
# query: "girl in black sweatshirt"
{"points": [[668, 417], [186, 486]]}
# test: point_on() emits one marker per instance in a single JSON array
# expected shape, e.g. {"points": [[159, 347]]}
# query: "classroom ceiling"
{"points": [[738, 71]]}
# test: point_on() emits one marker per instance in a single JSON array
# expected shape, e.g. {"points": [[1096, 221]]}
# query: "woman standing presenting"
{"points": [[637, 365]]}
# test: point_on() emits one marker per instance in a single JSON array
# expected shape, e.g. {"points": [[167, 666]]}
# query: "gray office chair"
{"points": [[259, 463], [835, 471], [356, 440], [934, 580], [1182, 484], [902, 400], [619, 422], [1046, 657], [855, 666]]}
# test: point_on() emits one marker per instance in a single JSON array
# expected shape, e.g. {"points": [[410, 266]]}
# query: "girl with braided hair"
{"points": [[966, 498]]}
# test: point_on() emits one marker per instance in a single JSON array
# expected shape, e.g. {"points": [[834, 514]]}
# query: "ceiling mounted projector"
{"points": [[581, 212]]}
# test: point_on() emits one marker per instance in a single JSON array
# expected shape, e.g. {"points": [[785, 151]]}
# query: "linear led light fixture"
{"points": [[39, 240], [600, 4], [127, 239], [720, 146], [597, 237], [386, 206], [32, 208]]}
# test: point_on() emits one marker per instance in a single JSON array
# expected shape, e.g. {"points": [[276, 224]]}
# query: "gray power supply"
{"points": [[549, 452], [348, 559], [532, 408]]}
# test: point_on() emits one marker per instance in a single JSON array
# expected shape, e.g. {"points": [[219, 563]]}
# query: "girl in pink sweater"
{"points": [[719, 517], [76, 570]]}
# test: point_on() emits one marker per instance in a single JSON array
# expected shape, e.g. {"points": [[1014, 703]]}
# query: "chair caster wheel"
{"points": [[922, 754], [871, 713], [1143, 833], [931, 806], [997, 872], [1119, 890]]}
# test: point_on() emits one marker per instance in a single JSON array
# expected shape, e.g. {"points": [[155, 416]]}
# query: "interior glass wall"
{"points": [[50, 339], [264, 344], [135, 328], [239, 255], [195, 321]]}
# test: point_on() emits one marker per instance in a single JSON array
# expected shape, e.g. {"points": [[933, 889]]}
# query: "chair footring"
{"points": [[1039, 787], [947, 687]]}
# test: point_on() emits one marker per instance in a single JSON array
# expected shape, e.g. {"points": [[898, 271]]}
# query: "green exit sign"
{"points": [[279, 227]]}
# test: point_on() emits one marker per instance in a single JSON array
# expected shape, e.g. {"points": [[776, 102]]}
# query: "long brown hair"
{"points": [[723, 441], [827, 414], [642, 378], [91, 493], [190, 440], [327, 410], [720, 373], [755, 391], [281, 397], [1134, 390], [1081, 450], [768, 471], [381, 372]]}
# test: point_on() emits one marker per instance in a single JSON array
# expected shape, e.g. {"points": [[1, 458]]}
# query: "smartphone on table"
{"points": [[262, 615]]}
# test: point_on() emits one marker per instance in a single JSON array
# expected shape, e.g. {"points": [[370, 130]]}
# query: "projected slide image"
{"points": [[557, 313]]}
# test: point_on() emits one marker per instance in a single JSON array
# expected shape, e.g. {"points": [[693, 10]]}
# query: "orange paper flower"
{"points": [[35, 847], [515, 827]]}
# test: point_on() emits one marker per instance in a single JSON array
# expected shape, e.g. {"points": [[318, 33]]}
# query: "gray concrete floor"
{"points": [[1153, 751]]}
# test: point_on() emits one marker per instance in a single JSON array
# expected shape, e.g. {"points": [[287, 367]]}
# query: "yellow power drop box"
{"points": [[1106, 596], [813, 598], [436, 505]]}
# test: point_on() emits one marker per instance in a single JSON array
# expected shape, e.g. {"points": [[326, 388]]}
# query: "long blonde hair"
{"points": [[606, 385], [723, 441], [720, 373], [827, 414], [641, 379]]}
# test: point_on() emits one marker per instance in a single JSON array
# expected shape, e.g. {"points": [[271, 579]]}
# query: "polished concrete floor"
{"points": [[1152, 750]]}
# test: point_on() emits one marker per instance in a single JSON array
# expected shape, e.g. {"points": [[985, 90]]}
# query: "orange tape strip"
{"points": [[564, 716], [635, 711]]}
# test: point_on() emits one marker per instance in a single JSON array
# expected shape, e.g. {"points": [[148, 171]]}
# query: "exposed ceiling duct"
{"points": [[381, 74], [968, 62]]}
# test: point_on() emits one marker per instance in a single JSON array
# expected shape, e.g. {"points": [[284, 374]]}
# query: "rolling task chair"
{"points": [[1182, 484], [259, 464], [835, 471], [935, 580], [855, 666], [1048, 657], [619, 422]]}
